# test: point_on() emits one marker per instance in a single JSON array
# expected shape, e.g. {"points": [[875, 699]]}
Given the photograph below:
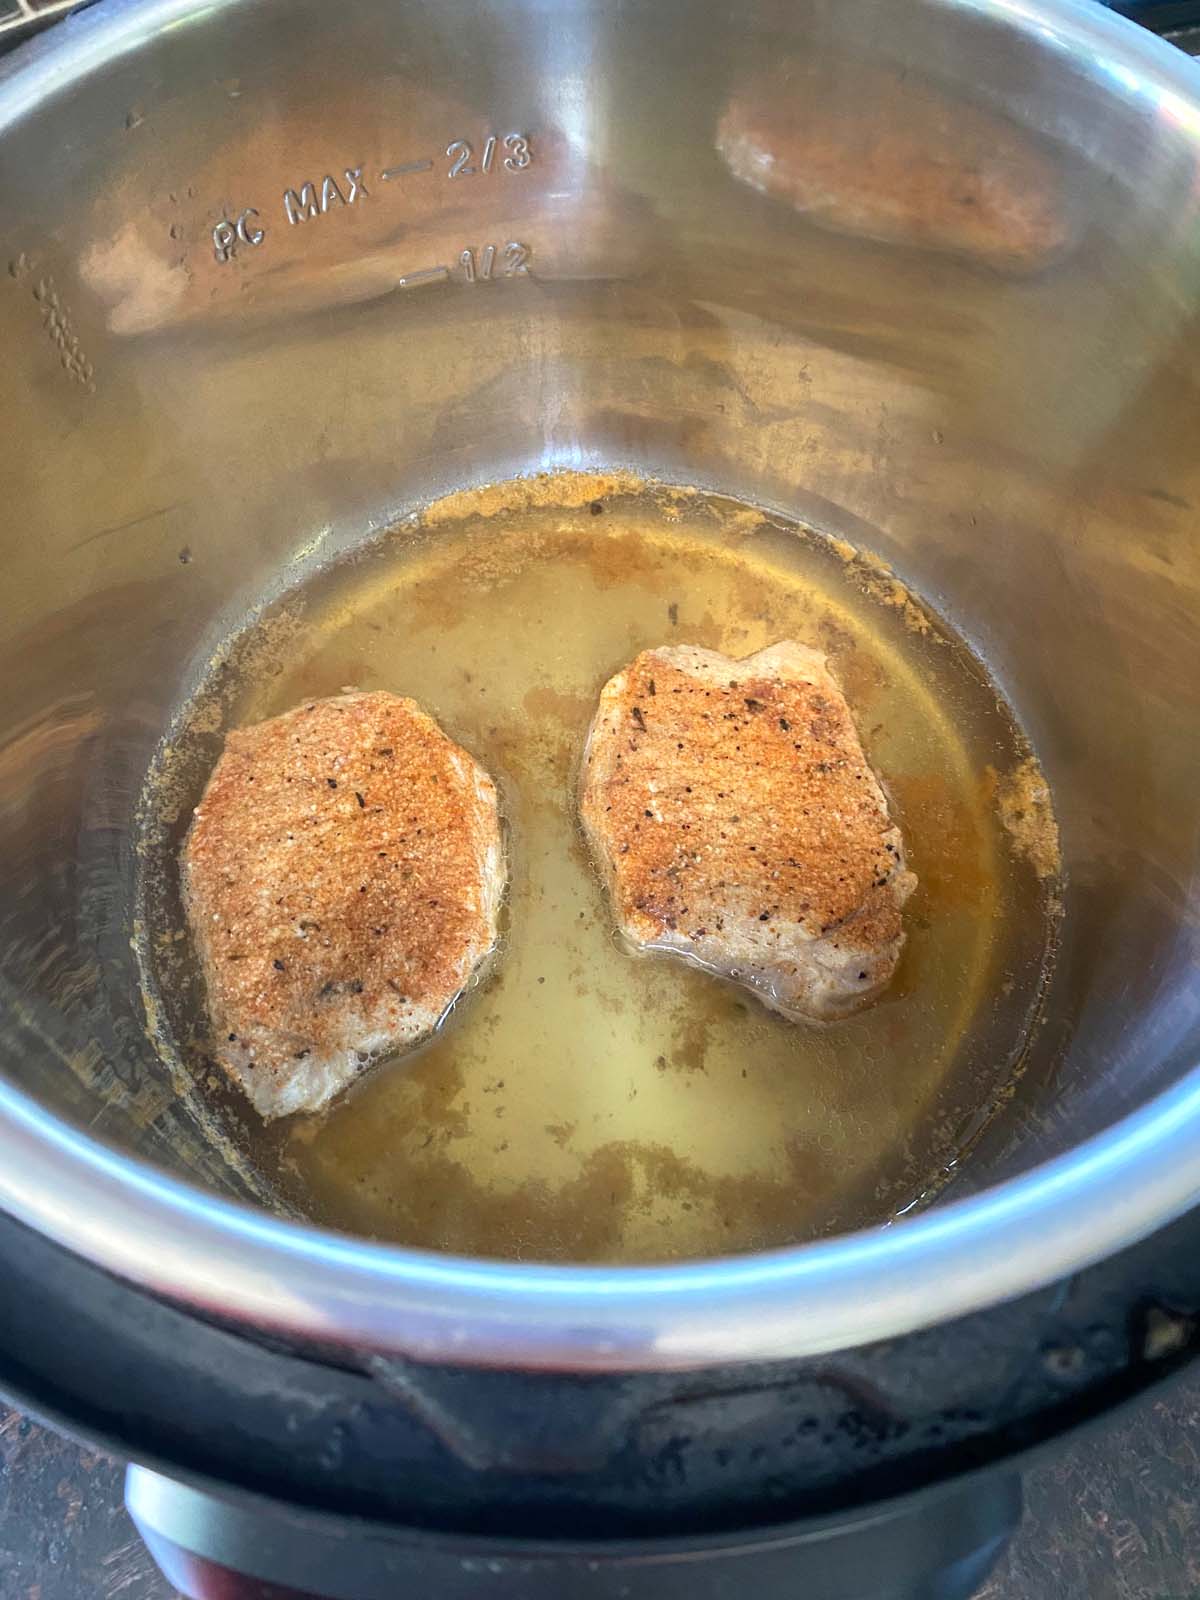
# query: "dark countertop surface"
{"points": [[1117, 1517]]}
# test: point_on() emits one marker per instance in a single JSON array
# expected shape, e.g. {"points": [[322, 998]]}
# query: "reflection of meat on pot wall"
{"points": [[888, 155], [296, 212]]}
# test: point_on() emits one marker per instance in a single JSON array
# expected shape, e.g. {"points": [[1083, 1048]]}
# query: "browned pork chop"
{"points": [[736, 821], [342, 876]]}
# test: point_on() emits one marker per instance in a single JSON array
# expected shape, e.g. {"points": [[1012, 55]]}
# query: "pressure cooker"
{"points": [[278, 274]]}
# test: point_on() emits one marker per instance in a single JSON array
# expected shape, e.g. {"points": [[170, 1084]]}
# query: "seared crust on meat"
{"points": [[736, 821], [342, 876]]}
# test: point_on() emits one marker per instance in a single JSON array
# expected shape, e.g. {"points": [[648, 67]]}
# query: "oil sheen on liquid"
{"points": [[583, 1103]]}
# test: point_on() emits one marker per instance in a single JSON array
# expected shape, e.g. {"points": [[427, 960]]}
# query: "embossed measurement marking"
{"points": [[404, 169], [309, 201], [306, 203], [226, 235], [479, 266], [461, 153], [425, 275]]}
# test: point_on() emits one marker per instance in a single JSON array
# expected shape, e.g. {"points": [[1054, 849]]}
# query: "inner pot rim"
{"points": [[314, 1285]]}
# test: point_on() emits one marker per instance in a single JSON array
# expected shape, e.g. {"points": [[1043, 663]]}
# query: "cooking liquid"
{"points": [[583, 1103]]}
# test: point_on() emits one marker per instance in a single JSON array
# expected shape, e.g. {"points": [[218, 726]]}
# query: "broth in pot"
{"points": [[581, 1102]]}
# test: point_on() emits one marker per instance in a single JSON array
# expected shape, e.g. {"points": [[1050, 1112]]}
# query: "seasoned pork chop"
{"points": [[342, 877], [737, 823]]}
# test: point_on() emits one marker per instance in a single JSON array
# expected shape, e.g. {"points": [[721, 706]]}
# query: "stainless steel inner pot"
{"points": [[923, 274]]}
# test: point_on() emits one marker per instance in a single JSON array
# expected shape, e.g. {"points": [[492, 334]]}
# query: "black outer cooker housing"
{"points": [[885, 1473]]}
